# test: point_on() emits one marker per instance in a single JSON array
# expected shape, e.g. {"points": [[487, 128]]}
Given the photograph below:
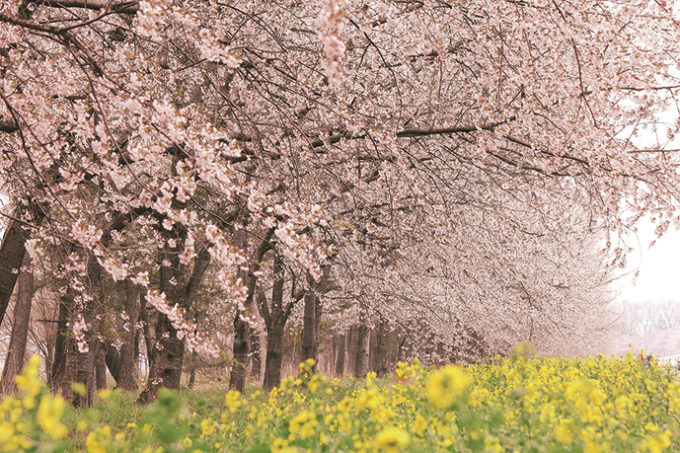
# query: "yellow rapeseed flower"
{"points": [[564, 433], [446, 385], [233, 400], [50, 411], [392, 440], [28, 380], [105, 394]]}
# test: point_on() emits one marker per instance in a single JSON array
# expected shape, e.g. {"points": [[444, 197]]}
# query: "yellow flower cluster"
{"points": [[32, 418], [515, 404]]}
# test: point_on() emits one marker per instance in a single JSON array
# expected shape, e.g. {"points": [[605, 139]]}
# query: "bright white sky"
{"points": [[659, 267]]}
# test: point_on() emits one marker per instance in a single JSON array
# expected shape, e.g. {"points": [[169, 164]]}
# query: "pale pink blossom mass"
{"points": [[456, 170]]}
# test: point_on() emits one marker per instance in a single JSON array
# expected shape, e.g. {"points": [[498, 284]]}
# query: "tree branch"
{"points": [[127, 7]]}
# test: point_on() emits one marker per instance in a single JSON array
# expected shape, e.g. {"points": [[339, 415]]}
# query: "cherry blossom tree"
{"points": [[152, 140]]}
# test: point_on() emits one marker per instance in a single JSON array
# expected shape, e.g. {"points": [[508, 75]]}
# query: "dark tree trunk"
{"points": [[363, 337], [12, 254], [83, 358], [84, 374], [312, 317], [272, 372], [76, 366], [146, 327], [318, 310], [169, 357], [14, 361], [340, 355], [255, 352], [79, 366], [237, 379], [100, 366], [165, 364], [60, 344], [127, 376], [166, 360], [308, 348], [352, 348], [192, 370], [380, 349], [275, 321], [112, 359]]}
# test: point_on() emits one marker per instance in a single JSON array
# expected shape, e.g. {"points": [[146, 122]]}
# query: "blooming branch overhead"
{"points": [[402, 145]]}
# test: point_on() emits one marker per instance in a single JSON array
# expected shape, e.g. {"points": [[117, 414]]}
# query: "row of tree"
{"points": [[441, 176]]}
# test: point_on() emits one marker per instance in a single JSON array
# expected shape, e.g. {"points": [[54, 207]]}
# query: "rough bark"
{"points": [[12, 254], [192, 370], [380, 349], [363, 342], [237, 379], [58, 368], [100, 366], [312, 317], [255, 352], [79, 365], [272, 372], [340, 355], [318, 310], [14, 361], [275, 317], [167, 358], [352, 348], [85, 371], [127, 375], [112, 358], [165, 361], [308, 348], [146, 326]]}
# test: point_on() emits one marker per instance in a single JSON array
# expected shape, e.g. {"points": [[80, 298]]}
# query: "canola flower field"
{"points": [[517, 404]]}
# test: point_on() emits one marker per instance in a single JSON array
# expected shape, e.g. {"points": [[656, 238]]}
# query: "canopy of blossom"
{"points": [[446, 141]]}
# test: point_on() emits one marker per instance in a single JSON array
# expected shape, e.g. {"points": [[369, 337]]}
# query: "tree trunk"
{"points": [[255, 352], [79, 368], [85, 374], [127, 376], [275, 322], [352, 348], [12, 254], [318, 310], [100, 366], [308, 348], [340, 355], [380, 349], [165, 362], [112, 359], [167, 357], [83, 358], [146, 326], [58, 369], [14, 361], [272, 371], [237, 379], [76, 366], [192, 372], [363, 337]]}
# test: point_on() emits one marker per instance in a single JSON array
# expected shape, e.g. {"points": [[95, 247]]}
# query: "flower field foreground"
{"points": [[517, 404]]}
